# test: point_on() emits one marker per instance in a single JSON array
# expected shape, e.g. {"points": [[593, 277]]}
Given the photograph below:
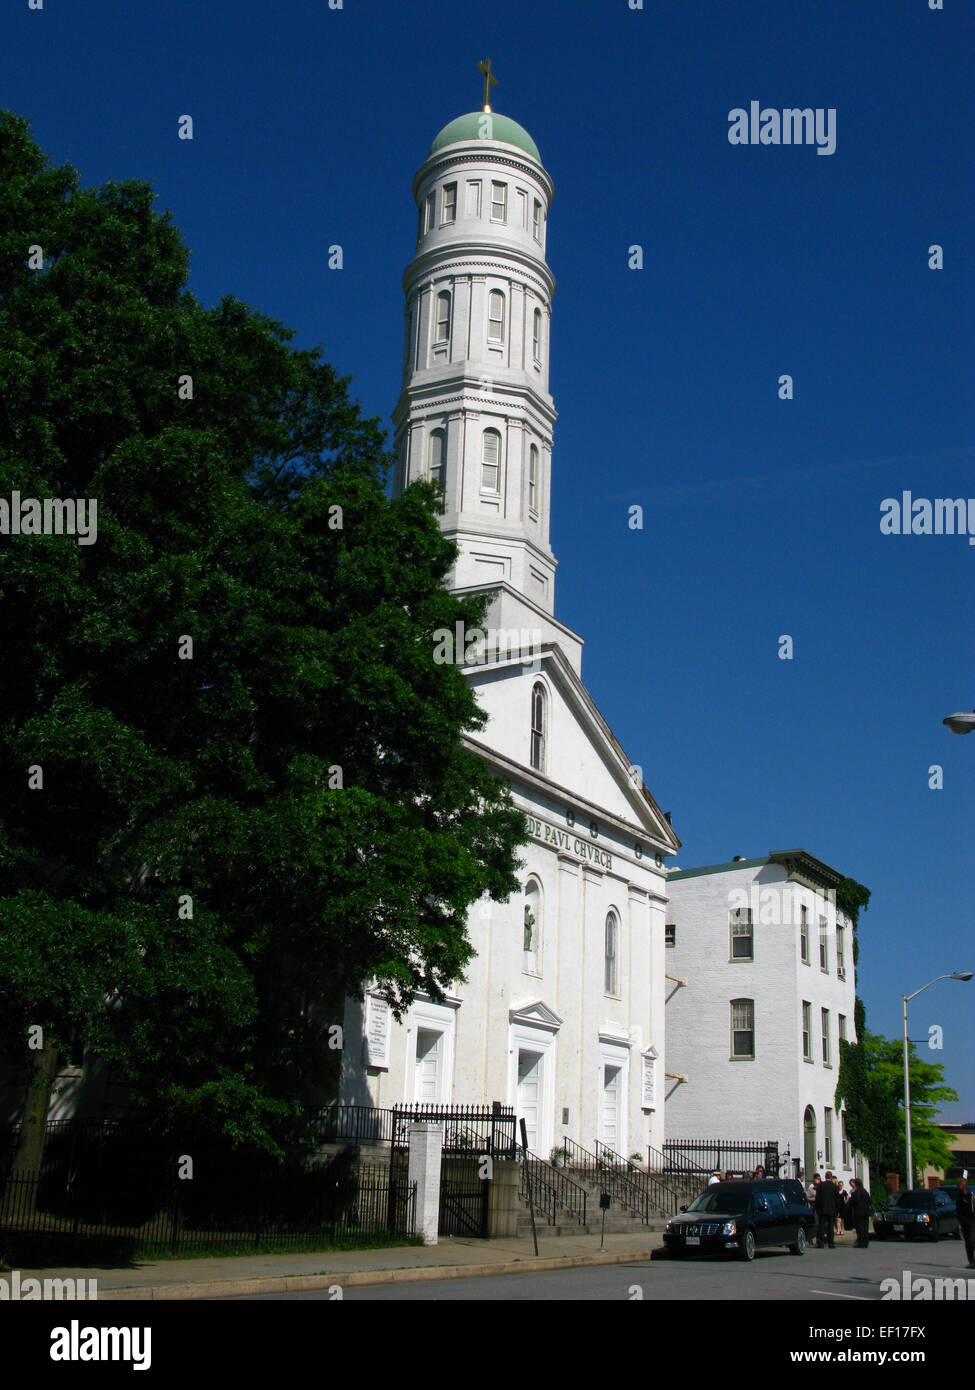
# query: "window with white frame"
{"points": [[523, 208], [537, 335], [840, 953], [827, 1135], [431, 211], [824, 1013], [539, 720], [823, 944], [846, 1142], [537, 221], [442, 331], [491, 462], [804, 933], [435, 456], [611, 954], [496, 317], [842, 1027], [533, 479], [670, 934], [448, 207], [807, 1031], [742, 942], [474, 198], [499, 202], [742, 1028]]}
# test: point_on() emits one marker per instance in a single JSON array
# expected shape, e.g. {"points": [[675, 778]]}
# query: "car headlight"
{"points": [[729, 1228], [668, 1225], [923, 1218]]}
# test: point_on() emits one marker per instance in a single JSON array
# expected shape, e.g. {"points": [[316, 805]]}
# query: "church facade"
{"points": [[562, 1013]]}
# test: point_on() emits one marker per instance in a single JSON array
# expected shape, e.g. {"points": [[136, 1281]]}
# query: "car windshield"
{"points": [[922, 1200], [721, 1198]]}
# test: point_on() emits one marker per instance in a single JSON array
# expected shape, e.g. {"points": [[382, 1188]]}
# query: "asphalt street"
{"points": [[822, 1276]]}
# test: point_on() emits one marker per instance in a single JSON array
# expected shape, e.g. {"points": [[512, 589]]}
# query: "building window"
{"points": [[538, 730], [499, 202], [823, 944], [742, 1028], [840, 953], [537, 221], [496, 317], [846, 1142], [611, 953], [804, 933], [523, 204], [670, 934], [537, 336], [442, 334], [474, 198], [842, 1027], [491, 462], [827, 1135], [431, 211], [435, 456], [448, 208], [807, 1031], [741, 934], [533, 479], [532, 927], [825, 1018]]}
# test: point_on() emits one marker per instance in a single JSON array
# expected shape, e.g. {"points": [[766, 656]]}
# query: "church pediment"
{"points": [[535, 1015]]}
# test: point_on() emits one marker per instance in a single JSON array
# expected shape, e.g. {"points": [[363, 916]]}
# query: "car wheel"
{"points": [[748, 1246], [798, 1246]]}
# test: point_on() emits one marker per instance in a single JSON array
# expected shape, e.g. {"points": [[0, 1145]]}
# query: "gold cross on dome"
{"points": [[489, 81]]}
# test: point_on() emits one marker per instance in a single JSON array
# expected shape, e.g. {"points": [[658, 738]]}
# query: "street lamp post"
{"points": [[905, 999]]}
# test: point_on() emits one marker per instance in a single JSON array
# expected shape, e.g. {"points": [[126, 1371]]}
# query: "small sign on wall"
{"points": [[649, 1100], [375, 1044]]}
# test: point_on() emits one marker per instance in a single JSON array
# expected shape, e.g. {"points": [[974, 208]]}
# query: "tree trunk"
{"points": [[33, 1127]]}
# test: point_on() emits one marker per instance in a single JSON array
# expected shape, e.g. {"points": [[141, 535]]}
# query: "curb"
{"points": [[303, 1283]]}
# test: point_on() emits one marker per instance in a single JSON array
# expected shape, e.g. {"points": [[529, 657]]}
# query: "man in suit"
{"points": [[965, 1211], [858, 1212], [826, 1212]]}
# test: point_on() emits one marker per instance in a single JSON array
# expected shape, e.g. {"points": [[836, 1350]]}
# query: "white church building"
{"points": [[562, 1014]]}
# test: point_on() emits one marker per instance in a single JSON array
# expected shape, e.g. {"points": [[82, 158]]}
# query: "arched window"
{"points": [[442, 334], [533, 479], [496, 317], [491, 462], [435, 456], [537, 335], [611, 952], [539, 721], [532, 928]]}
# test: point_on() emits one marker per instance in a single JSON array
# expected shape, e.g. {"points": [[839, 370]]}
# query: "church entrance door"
{"points": [[530, 1066], [429, 1064], [610, 1127]]}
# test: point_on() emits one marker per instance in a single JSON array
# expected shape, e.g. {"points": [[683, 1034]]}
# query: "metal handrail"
{"points": [[641, 1193], [557, 1190]]}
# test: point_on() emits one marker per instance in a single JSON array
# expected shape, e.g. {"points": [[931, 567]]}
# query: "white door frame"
{"points": [[615, 1054], [436, 1018], [534, 1029]]}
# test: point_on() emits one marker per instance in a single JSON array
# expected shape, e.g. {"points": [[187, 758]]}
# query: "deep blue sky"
{"points": [[761, 516]]}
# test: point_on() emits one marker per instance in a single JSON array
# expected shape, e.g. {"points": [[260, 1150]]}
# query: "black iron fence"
{"points": [[738, 1156], [112, 1214], [467, 1128]]}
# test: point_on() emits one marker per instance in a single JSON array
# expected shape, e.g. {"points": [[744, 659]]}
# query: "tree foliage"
{"points": [[303, 777]]}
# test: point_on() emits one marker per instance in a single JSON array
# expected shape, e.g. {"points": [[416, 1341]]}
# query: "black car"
{"points": [[916, 1213], [741, 1217]]}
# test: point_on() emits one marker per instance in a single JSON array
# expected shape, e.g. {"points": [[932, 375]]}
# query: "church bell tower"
{"points": [[475, 411]]}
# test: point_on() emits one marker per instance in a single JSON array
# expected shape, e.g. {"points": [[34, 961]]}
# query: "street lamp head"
{"points": [[960, 723], [961, 975]]}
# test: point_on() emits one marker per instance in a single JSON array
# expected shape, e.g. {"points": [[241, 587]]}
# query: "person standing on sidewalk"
{"points": [[858, 1213], [826, 1212], [965, 1211]]}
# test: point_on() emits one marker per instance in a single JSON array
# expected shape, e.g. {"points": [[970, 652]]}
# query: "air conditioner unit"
{"points": [[841, 971]]}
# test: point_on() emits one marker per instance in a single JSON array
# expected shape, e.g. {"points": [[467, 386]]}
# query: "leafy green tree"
{"points": [[871, 1083], [255, 788]]}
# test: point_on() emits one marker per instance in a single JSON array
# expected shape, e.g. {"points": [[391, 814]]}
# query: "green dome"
{"points": [[503, 128]]}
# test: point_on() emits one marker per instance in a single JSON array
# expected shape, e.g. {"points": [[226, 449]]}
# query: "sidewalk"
{"points": [[262, 1274]]}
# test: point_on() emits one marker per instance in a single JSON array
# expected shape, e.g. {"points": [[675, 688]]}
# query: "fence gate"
{"points": [[465, 1195]]}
